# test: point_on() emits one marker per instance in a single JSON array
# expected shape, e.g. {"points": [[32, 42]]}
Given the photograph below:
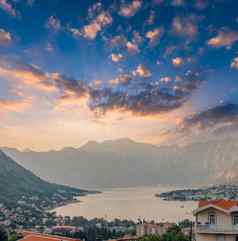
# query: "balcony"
{"points": [[216, 229]]}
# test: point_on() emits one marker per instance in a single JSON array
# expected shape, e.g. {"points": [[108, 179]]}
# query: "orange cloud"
{"points": [[91, 30], [132, 48], [154, 35], [178, 61], [142, 71], [15, 105], [224, 38], [37, 80], [116, 57], [71, 100], [129, 10]]}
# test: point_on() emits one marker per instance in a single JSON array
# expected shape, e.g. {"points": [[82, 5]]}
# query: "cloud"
{"points": [[7, 7], [165, 79], [142, 71], [234, 63], [185, 27], [118, 41], [154, 36], [53, 23], [178, 61], [225, 113], [76, 32], [91, 30], [33, 76], [15, 105], [129, 10], [123, 79], [5, 37], [116, 57], [132, 48], [224, 38], [143, 97]]}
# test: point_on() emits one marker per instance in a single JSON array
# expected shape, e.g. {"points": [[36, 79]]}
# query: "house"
{"points": [[145, 228], [67, 231], [31, 236], [216, 220]]}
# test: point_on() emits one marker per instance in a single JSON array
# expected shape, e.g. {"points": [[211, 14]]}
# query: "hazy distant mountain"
{"points": [[127, 163], [16, 181]]}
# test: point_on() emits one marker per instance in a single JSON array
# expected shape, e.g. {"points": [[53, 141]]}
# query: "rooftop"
{"points": [[30, 236], [224, 204]]}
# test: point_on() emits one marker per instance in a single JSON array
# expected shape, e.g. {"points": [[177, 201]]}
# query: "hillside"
{"points": [[124, 162], [17, 183]]}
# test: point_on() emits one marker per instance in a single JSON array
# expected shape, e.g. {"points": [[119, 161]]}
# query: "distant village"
{"points": [[228, 192]]}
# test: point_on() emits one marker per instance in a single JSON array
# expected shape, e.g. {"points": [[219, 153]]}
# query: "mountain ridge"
{"points": [[16, 182], [124, 162]]}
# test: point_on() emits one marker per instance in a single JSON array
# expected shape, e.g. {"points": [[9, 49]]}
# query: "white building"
{"points": [[216, 220], [144, 228]]}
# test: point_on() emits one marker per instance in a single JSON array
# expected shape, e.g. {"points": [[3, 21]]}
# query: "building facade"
{"points": [[216, 220], [144, 228]]}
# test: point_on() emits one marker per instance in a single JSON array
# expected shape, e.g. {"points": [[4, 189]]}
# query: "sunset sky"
{"points": [[155, 71]]}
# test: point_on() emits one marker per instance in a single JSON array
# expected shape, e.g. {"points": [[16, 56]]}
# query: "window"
{"points": [[235, 219], [212, 218]]}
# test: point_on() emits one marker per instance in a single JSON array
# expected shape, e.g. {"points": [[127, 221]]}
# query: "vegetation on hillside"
{"points": [[17, 183], [173, 234]]}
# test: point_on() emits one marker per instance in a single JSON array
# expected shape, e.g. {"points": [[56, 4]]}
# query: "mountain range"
{"points": [[123, 163], [17, 182]]}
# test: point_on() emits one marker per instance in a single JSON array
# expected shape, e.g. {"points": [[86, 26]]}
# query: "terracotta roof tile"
{"points": [[224, 204], [43, 237]]}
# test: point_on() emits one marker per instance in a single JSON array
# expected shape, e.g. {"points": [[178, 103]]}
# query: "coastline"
{"points": [[128, 203], [71, 201]]}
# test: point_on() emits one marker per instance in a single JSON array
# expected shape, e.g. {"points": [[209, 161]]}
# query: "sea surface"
{"points": [[130, 203]]}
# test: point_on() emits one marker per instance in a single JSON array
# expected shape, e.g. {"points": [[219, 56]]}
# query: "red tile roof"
{"points": [[224, 204], [29, 236]]}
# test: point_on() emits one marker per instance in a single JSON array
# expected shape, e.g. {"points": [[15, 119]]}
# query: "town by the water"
{"points": [[33, 220]]}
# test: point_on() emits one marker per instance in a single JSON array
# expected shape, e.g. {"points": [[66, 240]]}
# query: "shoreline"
{"points": [[71, 201]]}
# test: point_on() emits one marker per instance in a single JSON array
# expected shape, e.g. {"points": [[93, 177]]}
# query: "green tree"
{"points": [[3, 234]]}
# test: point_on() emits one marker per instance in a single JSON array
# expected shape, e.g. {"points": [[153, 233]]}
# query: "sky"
{"points": [[156, 71]]}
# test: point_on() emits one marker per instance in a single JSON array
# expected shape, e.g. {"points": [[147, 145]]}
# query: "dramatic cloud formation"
{"points": [[224, 38], [31, 75], [7, 7], [134, 60], [219, 114], [5, 37], [129, 10], [143, 97]]}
